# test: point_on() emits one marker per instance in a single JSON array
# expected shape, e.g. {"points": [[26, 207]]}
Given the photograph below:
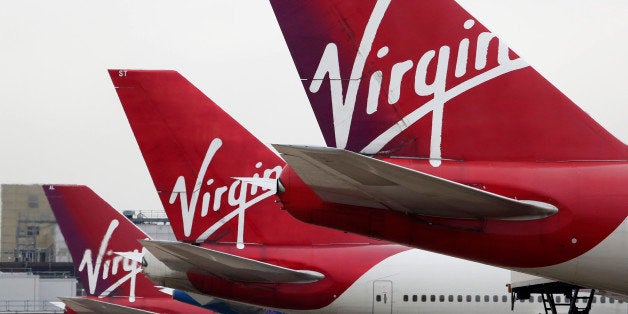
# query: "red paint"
{"points": [[83, 219], [174, 124], [517, 116], [342, 265], [164, 305], [590, 198], [515, 135]]}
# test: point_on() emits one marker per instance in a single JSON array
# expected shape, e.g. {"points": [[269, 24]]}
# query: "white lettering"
{"points": [[109, 266], [343, 109], [396, 77], [375, 85], [234, 194], [179, 190]]}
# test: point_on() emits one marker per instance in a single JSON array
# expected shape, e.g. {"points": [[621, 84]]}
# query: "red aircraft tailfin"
{"points": [[207, 168], [94, 232], [425, 79]]}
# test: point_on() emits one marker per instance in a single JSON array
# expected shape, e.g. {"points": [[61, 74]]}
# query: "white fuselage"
{"points": [[439, 283], [605, 267], [417, 281]]}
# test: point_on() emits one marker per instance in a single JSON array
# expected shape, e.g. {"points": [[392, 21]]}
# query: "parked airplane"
{"points": [[446, 140], [240, 246], [101, 241]]}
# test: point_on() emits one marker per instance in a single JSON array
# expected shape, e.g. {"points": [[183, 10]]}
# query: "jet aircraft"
{"points": [[442, 138], [217, 184], [103, 244]]}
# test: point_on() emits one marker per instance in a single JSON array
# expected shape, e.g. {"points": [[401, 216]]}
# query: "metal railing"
{"points": [[33, 255], [146, 216], [55, 274], [23, 306], [19, 270]]}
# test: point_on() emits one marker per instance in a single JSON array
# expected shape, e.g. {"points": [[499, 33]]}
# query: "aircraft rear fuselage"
{"points": [[590, 197]]}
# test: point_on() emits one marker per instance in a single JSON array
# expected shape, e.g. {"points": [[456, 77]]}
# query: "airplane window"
{"points": [[531, 299], [414, 298], [504, 298], [495, 298], [477, 298], [433, 298], [378, 298], [459, 298], [486, 298], [611, 300], [602, 299], [423, 298], [441, 298], [451, 298], [557, 299], [405, 298], [468, 298]]}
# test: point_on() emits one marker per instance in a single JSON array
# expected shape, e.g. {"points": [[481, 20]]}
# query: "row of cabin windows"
{"points": [[450, 298], [495, 298]]}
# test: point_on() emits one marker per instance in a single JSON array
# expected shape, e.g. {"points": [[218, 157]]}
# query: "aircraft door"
{"points": [[382, 296]]}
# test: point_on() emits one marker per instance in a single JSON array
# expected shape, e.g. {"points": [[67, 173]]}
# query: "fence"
{"points": [[23, 306]]}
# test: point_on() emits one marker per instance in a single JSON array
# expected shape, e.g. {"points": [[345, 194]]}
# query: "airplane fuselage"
{"points": [[406, 282], [584, 243]]}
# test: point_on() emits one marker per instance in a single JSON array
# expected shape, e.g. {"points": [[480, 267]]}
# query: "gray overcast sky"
{"points": [[61, 121]]}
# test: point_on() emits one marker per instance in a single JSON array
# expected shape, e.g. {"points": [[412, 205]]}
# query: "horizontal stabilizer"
{"points": [[344, 177], [184, 257], [85, 305]]}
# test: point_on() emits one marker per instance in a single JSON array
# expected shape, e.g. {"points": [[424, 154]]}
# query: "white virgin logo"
{"points": [[342, 109], [109, 263], [236, 194]]}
